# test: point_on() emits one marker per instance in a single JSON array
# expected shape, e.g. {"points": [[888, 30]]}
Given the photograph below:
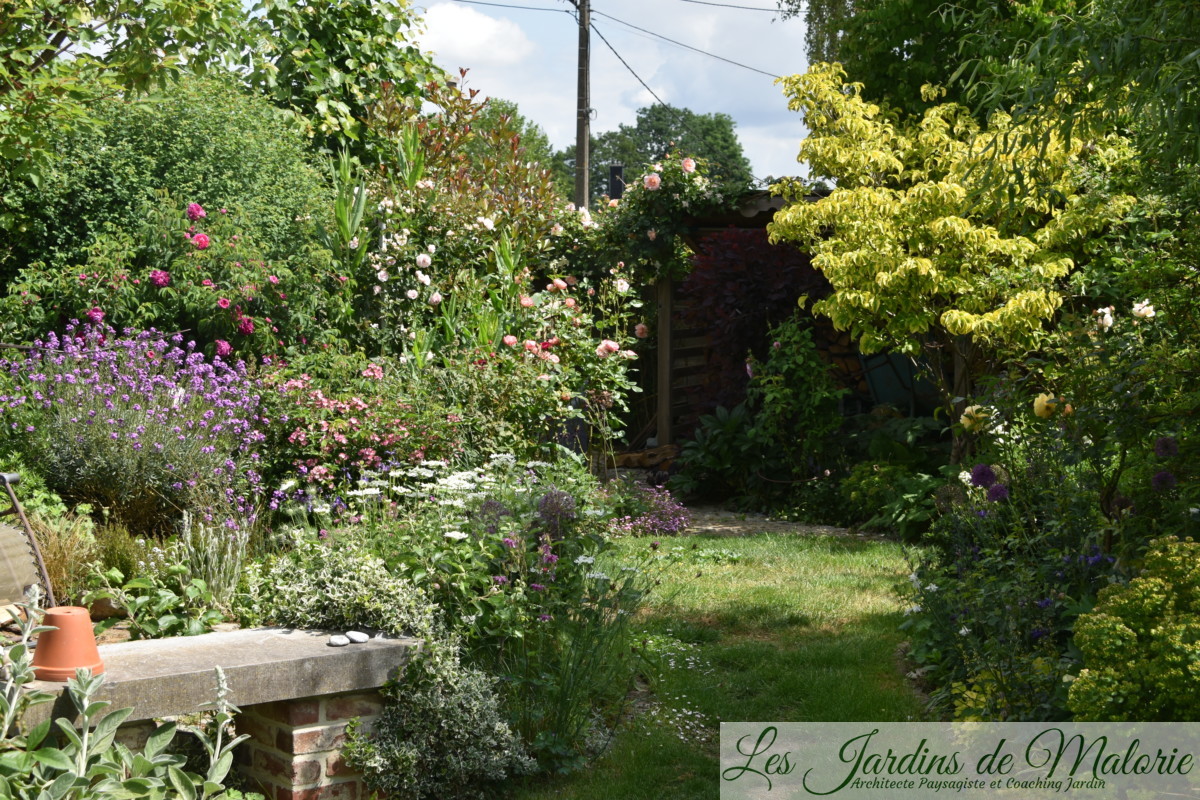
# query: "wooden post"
{"points": [[665, 434]]}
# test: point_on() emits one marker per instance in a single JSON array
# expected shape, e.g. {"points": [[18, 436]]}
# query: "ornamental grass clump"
{"points": [[141, 426]]}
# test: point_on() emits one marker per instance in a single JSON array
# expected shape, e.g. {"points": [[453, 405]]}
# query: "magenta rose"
{"points": [[196, 211], [160, 278], [224, 348], [201, 241]]}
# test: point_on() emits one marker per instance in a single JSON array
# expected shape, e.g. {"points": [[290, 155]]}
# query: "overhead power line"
{"points": [[730, 5], [509, 5], [685, 46]]}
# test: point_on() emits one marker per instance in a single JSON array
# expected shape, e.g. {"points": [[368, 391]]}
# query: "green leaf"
{"points": [[54, 758], [159, 740], [182, 783]]}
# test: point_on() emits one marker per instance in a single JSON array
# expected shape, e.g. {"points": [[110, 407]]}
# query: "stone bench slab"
{"points": [[171, 677]]}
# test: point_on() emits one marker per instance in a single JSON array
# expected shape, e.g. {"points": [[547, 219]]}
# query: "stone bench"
{"points": [[296, 695]]}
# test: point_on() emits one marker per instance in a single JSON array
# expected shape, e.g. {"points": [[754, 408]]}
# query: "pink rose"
{"points": [[95, 315], [224, 348], [273, 278], [652, 181], [435, 298], [560, 284], [412, 294], [223, 302], [689, 165], [526, 301], [373, 371], [423, 260], [531, 346], [160, 278], [510, 340], [246, 326], [206, 282], [641, 331], [201, 241], [195, 211]]}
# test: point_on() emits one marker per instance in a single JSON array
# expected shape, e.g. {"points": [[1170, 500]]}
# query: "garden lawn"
{"points": [[771, 627]]}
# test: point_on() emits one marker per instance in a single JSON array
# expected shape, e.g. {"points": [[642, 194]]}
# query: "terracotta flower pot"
{"points": [[72, 646]]}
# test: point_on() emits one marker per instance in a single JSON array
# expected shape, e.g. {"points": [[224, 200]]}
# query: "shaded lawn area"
{"points": [[764, 628]]}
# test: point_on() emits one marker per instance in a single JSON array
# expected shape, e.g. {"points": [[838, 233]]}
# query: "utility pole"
{"points": [[583, 121]]}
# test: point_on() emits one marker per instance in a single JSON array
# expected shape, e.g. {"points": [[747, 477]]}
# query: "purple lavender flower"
{"points": [[998, 493], [1163, 481], [983, 476], [1166, 447]]}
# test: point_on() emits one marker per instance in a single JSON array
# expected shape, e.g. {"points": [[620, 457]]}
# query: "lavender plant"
{"points": [[142, 426]]}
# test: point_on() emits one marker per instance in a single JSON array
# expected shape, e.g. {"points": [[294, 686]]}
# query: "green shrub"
{"points": [[1141, 643], [204, 140], [441, 735]]}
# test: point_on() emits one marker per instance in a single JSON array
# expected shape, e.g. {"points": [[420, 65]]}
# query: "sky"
{"points": [[531, 57]]}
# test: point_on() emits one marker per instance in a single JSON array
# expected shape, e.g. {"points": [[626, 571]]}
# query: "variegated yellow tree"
{"points": [[939, 242]]}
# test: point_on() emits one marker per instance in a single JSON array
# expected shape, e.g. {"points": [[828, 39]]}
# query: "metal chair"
{"points": [[21, 565]]}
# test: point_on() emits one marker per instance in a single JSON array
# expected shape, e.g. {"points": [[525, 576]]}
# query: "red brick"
{"points": [[259, 729], [336, 766], [290, 712], [347, 790], [352, 705], [312, 740], [297, 772]]}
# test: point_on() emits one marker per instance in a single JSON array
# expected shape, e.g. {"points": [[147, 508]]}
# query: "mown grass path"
{"points": [[766, 627]]}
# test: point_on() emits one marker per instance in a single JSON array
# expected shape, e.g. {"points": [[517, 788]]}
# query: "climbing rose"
{"points": [[223, 302], [160, 278], [195, 211], [652, 181], [689, 165], [641, 331]]}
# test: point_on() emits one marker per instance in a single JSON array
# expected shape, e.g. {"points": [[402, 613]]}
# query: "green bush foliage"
{"points": [[1141, 643], [202, 140], [442, 734]]}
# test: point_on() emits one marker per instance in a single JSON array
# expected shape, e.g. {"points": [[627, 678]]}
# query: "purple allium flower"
{"points": [[1166, 447], [556, 509], [1163, 481], [998, 493], [983, 476]]}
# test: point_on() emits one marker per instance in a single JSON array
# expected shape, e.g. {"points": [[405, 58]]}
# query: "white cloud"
{"points": [[529, 57], [460, 36]]}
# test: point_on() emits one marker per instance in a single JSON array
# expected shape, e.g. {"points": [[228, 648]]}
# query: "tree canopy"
{"points": [[894, 47], [661, 130], [927, 252]]}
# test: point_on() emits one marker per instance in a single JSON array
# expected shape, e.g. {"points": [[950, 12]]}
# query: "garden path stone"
{"points": [[716, 521]]}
